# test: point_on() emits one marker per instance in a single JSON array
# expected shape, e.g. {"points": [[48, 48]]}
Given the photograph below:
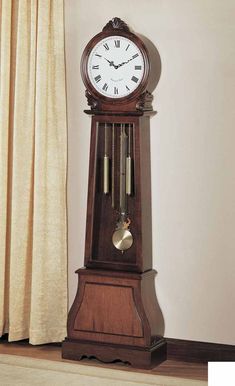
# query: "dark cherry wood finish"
{"points": [[143, 358], [115, 315]]}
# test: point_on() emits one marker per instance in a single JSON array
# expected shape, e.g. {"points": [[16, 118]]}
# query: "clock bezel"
{"points": [[84, 67]]}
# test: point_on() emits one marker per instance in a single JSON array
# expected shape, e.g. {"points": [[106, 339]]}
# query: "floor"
{"points": [[52, 352]]}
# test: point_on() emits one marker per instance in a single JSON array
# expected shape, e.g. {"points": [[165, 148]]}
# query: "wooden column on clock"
{"points": [[115, 315]]}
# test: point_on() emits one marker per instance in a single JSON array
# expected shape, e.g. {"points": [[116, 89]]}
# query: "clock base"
{"points": [[143, 358], [116, 316]]}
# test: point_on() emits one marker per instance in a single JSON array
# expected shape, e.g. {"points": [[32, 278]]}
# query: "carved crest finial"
{"points": [[91, 101], [116, 24], [145, 102]]}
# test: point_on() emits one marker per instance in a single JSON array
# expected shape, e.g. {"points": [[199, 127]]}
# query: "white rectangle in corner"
{"points": [[221, 373]]}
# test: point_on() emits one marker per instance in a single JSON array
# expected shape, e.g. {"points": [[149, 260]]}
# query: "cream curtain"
{"points": [[33, 251]]}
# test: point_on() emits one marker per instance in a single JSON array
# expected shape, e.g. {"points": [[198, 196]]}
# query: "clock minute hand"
{"points": [[121, 64]]}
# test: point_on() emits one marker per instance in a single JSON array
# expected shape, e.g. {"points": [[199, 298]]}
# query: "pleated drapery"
{"points": [[33, 162]]}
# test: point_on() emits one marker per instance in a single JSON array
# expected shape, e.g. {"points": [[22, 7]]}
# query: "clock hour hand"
{"points": [[111, 63]]}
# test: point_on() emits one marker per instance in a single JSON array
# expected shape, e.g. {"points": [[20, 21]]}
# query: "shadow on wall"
{"points": [[160, 329], [156, 66], [154, 77]]}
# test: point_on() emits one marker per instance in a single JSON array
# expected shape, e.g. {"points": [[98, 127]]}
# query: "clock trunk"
{"points": [[103, 208]]}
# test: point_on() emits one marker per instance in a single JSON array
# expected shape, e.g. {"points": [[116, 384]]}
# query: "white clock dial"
{"points": [[115, 67]]}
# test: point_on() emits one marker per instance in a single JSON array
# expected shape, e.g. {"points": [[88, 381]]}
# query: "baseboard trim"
{"points": [[201, 352], [181, 350]]}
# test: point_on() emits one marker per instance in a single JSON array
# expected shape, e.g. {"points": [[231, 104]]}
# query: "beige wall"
{"points": [[193, 157]]}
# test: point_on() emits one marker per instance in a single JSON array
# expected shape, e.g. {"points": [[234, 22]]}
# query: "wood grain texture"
{"points": [[114, 311], [112, 319], [109, 309]]}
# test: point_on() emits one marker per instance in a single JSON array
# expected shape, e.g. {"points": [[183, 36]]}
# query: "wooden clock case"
{"points": [[115, 314]]}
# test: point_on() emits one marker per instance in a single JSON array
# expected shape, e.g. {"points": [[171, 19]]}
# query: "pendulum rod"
{"points": [[106, 160], [129, 163]]}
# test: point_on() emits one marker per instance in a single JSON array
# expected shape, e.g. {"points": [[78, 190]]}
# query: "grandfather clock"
{"points": [[115, 315]]}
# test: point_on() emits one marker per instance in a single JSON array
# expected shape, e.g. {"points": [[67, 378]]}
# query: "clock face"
{"points": [[115, 67]]}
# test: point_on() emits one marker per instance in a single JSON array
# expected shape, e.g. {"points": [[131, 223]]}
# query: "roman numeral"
{"points": [[106, 46], [138, 67], [105, 87], [116, 90], [100, 56], [95, 67], [97, 78], [127, 88], [135, 56], [134, 79], [127, 47], [117, 43]]}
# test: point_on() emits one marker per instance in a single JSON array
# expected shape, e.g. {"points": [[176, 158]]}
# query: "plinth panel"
{"points": [[115, 317], [108, 309]]}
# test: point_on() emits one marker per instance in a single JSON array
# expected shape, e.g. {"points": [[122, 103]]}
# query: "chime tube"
{"points": [[128, 175], [106, 174], [122, 171]]}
